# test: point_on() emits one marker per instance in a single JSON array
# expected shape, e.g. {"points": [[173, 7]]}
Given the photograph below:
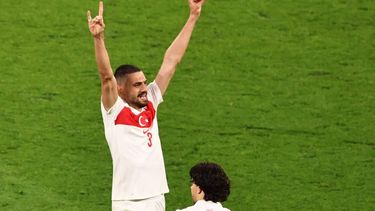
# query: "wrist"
{"points": [[99, 36], [194, 17]]}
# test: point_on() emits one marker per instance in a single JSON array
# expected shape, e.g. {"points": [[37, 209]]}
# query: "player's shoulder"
{"points": [[186, 209], [191, 208], [154, 93]]}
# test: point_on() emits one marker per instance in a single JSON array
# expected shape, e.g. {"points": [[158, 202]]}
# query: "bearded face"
{"points": [[134, 90]]}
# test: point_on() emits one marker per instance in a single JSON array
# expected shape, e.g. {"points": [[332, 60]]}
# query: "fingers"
{"points": [[89, 18], [199, 2], [97, 19], [101, 8]]}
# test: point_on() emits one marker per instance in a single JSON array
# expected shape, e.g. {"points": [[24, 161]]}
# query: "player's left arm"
{"points": [[177, 49]]}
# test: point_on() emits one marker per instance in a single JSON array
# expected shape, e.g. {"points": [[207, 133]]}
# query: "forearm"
{"points": [[108, 81], [177, 49], [102, 58], [174, 54]]}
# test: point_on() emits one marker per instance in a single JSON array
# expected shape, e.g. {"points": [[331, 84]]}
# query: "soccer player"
{"points": [[129, 105], [210, 186]]}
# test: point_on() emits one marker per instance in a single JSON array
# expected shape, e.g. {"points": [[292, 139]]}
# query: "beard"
{"points": [[141, 100], [136, 101], [141, 104]]}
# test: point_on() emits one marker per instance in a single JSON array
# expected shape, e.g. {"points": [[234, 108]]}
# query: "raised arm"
{"points": [[176, 50], [108, 81]]}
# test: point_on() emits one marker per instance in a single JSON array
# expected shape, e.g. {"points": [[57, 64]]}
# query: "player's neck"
{"points": [[136, 107]]}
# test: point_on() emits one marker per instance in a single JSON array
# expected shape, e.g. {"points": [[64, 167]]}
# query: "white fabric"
{"points": [[138, 170], [203, 205], [156, 203]]}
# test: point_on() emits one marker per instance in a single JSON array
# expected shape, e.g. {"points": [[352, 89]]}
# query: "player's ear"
{"points": [[199, 190], [200, 193], [120, 85], [120, 88]]}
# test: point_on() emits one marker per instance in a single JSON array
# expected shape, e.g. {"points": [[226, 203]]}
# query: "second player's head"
{"points": [[209, 182], [132, 85]]}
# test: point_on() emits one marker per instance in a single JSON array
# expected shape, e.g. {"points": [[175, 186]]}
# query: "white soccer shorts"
{"points": [[156, 203]]}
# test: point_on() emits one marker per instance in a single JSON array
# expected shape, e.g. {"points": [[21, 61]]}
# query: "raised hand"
{"points": [[96, 25], [196, 7]]}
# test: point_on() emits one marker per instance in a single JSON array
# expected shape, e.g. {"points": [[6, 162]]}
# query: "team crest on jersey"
{"points": [[142, 120]]}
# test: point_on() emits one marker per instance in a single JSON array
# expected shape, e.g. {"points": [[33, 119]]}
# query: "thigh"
{"points": [[156, 204], [123, 206]]}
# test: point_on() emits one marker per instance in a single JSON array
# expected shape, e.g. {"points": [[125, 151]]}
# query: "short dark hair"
{"points": [[211, 178], [125, 69]]}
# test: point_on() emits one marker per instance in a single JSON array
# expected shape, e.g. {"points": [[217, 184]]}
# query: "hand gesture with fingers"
{"points": [[96, 25], [196, 7]]}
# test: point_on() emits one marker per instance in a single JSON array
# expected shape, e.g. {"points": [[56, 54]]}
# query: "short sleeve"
{"points": [[111, 113], [154, 94]]}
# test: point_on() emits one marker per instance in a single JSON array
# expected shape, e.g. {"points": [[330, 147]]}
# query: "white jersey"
{"points": [[203, 205], [133, 139]]}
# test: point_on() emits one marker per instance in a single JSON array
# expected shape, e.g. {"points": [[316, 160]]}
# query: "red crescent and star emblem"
{"points": [[142, 120]]}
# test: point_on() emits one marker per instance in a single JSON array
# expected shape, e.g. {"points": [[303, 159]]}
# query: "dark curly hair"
{"points": [[211, 178]]}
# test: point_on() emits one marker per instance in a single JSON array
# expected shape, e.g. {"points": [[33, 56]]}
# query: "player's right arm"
{"points": [[108, 81]]}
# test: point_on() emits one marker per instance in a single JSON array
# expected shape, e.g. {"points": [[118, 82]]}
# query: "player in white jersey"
{"points": [[129, 108], [210, 186]]}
